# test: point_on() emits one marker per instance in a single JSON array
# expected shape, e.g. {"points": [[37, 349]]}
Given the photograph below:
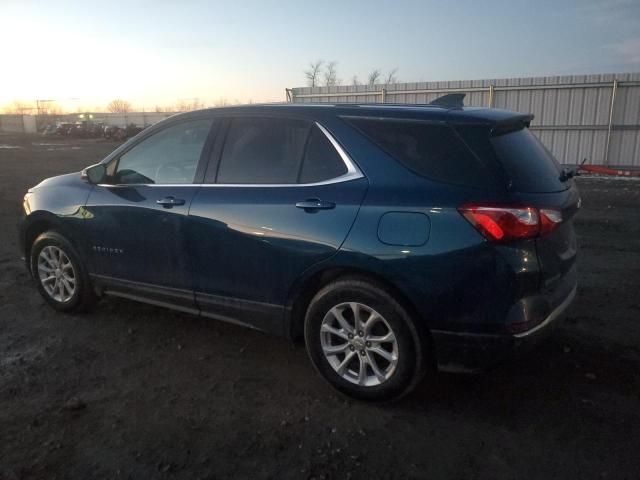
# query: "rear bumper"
{"points": [[469, 352]]}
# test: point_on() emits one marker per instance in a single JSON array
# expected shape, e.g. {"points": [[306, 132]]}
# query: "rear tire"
{"points": [[60, 276], [363, 341]]}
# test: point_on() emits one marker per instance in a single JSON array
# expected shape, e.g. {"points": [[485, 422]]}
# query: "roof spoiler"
{"points": [[511, 124], [451, 100]]}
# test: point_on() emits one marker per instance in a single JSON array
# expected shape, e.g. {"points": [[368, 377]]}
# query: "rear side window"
{"points": [[263, 151], [321, 160], [530, 166], [431, 150]]}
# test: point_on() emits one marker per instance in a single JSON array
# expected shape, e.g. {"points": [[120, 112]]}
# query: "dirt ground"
{"points": [[134, 391]]}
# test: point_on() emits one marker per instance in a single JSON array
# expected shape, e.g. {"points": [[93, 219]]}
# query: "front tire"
{"points": [[363, 341], [60, 276]]}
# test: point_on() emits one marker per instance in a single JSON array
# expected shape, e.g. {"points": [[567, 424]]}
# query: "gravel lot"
{"points": [[133, 391]]}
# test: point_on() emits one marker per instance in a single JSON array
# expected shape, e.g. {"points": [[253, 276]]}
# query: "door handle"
{"points": [[168, 202], [314, 204]]}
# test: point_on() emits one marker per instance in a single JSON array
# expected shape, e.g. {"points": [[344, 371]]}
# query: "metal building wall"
{"points": [[574, 115], [11, 123], [18, 123]]}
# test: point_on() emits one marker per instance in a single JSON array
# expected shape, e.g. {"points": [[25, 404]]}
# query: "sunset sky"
{"points": [[85, 53]]}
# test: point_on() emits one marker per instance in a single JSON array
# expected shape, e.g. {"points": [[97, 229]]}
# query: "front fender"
{"points": [[55, 204]]}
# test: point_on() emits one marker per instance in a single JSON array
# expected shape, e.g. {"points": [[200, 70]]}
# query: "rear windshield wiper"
{"points": [[567, 173]]}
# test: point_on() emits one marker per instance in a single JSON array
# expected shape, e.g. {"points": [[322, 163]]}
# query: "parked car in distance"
{"points": [[95, 129], [118, 133], [64, 129], [49, 130], [393, 239], [109, 131], [78, 130]]}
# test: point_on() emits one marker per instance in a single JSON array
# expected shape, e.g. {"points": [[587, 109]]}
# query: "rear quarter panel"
{"points": [[455, 281]]}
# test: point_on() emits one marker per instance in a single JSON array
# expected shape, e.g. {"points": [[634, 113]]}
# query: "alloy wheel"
{"points": [[56, 274], [359, 344]]}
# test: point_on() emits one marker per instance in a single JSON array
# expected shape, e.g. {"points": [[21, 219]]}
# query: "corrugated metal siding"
{"points": [[571, 112]]}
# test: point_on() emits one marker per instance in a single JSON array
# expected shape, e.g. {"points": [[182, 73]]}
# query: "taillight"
{"points": [[549, 220], [503, 223]]}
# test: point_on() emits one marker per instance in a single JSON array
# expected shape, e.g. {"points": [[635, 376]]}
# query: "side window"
{"points": [[262, 151], [169, 156], [430, 150], [321, 160]]}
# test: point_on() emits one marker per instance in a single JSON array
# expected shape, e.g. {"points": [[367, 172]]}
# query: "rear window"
{"points": [[431, 150], [529, 165], [321, 161]]}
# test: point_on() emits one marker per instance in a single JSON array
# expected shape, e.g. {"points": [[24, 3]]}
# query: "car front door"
{"points": [[280, 195], [137, 217]]}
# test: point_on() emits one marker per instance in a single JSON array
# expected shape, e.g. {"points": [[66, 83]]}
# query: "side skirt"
{"points": [[173, 298], [265, 317], [258, 315]]}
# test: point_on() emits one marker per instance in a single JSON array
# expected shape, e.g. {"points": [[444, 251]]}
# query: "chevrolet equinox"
{"points": [[391, 238]]}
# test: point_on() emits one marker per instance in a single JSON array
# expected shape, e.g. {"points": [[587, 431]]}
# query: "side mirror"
{"points": [[94, 174]]}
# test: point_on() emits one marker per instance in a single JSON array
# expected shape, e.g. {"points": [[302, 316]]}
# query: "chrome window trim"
{"points": [[351, 166], [353, 173]]}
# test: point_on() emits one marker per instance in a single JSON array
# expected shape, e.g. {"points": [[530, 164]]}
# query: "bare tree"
{"points": [[391, 77], [373, 77], [53, 109], [313, 74], [188, 104], [197, 104], [330, 74], [354, 81], [48, 107], [119, 106]]}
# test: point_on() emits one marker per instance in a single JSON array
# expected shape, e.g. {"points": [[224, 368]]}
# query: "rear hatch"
{"points": [[534, 178]]}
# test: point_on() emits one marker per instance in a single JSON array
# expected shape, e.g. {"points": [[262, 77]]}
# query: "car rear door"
{"points": [[280, 195], [138, 217]]}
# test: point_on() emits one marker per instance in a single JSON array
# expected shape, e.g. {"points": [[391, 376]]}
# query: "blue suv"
{"points": [[391, 238]]}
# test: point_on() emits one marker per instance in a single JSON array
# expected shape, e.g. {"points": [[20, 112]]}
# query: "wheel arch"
{"points": [[36, 224], [306, 288]]}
